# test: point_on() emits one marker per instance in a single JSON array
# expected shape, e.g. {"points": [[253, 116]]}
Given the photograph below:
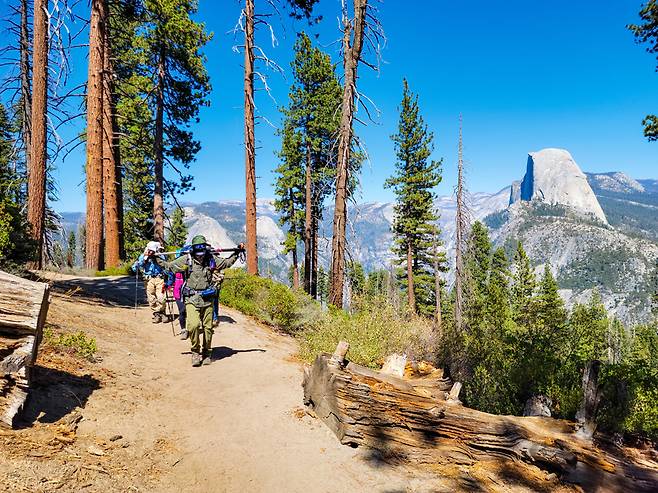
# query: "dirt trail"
{"points": [[236, 425]]}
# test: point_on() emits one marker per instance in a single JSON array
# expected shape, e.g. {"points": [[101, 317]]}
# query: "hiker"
{"points": [[150, 263], [178, 282], [199, 292]]}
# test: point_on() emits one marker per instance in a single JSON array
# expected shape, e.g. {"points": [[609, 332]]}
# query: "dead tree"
{"points": [[26, 88], [250, 139], [438, 322], [94, 217], [460, 236], [36, 173], [354, 36], [23, 309], [418, 419]]}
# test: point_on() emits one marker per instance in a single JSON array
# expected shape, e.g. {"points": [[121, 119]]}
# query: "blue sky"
{"points": [[524, 75]]}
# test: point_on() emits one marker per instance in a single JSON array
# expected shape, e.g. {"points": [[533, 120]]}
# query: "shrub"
{"points": [[119, 270], [374, 331], [77, 343]]}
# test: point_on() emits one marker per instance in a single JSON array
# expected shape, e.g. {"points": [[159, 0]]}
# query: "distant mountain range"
{"points": [[597, 230]]}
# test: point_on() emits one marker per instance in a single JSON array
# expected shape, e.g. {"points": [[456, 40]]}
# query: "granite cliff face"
{"points": [[553, 177]]}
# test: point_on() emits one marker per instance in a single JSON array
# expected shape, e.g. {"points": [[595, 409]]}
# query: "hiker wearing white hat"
{"points": [[154, 279]]}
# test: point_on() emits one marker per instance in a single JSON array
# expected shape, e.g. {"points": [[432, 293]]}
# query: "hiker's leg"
{"points": [[193, 323], [207, 330], [160, 295], [181, 313], [150, 294]]}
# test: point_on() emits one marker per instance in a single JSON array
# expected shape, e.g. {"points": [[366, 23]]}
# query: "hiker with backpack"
{"points": [[151, 264], [199, 291]]}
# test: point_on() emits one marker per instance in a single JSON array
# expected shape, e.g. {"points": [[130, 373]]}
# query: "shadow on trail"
{"points": [[54, 395], [222, 352], [226, 319], [117, 291]]}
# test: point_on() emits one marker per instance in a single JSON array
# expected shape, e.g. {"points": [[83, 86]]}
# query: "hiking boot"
{"points": [[196, 359], [206, 361], [157, 318], [183, 334]]}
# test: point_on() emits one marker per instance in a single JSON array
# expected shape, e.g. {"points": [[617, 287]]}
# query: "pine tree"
{"points": [[70, 250], [289, 192], [311, 121], [414, 182], [477, 261], [498, 293], [177, 229], [523, 287], [648, 33]]}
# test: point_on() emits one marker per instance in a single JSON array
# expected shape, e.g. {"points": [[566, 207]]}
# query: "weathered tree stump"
{"points": [[23, 309], [421, 420]]}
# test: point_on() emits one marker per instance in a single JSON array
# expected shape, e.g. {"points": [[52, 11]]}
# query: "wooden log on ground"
{"points": [[365, 407], [23, 310]]}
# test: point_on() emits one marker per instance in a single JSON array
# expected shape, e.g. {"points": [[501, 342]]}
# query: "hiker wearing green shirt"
{"points": [[199, 292]]}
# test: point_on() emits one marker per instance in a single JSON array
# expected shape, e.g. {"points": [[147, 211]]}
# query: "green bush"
{"points": [[119, 270], [268, 301], [374, 331], [77, 343]]}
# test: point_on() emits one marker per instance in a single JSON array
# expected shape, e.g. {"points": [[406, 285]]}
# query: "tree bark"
{"points": [[314, 249], [26, 91], [411, 295], [23, 310], [414, 419], [110, 178], [36, 174], [295, 269], [158, 200], [437, 288], [352, 46], [94, 217], [308, 214], [586, 415], [250, 141]]}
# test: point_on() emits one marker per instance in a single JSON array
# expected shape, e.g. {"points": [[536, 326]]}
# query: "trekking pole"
{"points": [[171, 314], [136, 279]]}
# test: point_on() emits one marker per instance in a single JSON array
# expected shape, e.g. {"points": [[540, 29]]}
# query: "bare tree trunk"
{"points": [[295, 270], [94, 218], [314, 256], [110, 179], [250, 140], [586, 415], [352, 47], [36, 173], [158, 201], [411, 295], [459, 243], [26, 92], [308, 213], [437, 288]]}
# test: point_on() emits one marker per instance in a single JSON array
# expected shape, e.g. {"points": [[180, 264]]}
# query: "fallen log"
{"points": [[401, 419], [23, 310]]}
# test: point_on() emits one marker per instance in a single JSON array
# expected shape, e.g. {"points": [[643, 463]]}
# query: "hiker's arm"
{"points": [[178, 265], [138, 263], [225, 263]]}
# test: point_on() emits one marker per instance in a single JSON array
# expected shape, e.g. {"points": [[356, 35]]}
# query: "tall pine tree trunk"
{"points": [[352, 46], [158, 200], [411, 294], [250, 140], [26, 92], [314, 256], [36, 173], [94, 217], [308, 213], [110, 178]]}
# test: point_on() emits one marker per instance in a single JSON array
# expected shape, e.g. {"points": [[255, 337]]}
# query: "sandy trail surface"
{"points": [[237, 425]]}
